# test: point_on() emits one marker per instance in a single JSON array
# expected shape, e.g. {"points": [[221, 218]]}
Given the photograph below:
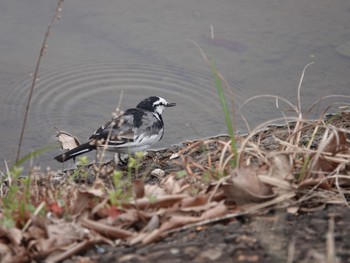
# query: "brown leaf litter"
{"points": [[196, 188]]}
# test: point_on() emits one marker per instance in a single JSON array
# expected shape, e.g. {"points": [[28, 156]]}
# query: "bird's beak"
{"points": [[171, 104]]}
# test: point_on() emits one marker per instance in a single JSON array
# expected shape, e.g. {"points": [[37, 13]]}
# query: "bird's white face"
{"points": [[160, 105]]}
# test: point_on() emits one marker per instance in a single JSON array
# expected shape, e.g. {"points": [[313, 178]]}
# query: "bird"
{"points": [[135, 130]]}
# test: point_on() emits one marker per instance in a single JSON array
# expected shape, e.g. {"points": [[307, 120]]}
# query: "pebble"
{"points": [[158, 172]]}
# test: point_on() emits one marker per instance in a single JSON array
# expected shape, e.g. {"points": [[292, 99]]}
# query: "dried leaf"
{"points": [[5, 253], [138, 238], [176, 221], [139, 188], [126, 219], [106, 230], [15, 236], [87, 199], [243, 186], [152, 224], [336, 143], [158, 202], [73, 250], [65, 234], [35, 232], [153, 236], [280, 166], [311, 182], [278, 184], [194, 201], [171, 185], [200, 208], [68, 141], [217, 211], [154, 190]]}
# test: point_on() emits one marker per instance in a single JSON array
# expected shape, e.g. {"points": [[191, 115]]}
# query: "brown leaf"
{"points": [[335, 143], [194, 201], [217, 211], [199, 208], [73, 250], [154, 190], [126, 219], [171, 185], [176, 221], [152, 224], [86, 198], [311, 182], [106, 230], [35, 232], [5, 253], [137, 238], [44, 246], [153, 236], [139, 188], [65, 234], [68, 141], [280, 166], [338, 144], [243, 186], [158, 202], [15, 236]]}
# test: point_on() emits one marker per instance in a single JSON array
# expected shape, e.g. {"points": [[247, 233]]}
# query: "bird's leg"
{"points": [[120, 158]]}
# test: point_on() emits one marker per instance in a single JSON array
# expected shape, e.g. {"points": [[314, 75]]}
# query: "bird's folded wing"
{"points": [[117, 131]]}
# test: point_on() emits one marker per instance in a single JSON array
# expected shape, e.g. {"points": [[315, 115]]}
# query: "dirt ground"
{"points": [[318, 234], [273, 237]]}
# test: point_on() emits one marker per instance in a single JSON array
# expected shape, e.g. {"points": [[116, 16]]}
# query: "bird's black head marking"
{"points": [[148, 103]]}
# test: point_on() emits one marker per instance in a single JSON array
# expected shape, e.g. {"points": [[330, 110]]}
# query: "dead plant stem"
{"points": [[35, 75]]}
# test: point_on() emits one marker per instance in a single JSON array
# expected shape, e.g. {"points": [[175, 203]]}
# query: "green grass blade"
{"points": [[229, 124], [33, 154]]}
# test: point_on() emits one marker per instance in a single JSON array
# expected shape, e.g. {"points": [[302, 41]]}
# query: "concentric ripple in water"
{"points": [[81, 96]]}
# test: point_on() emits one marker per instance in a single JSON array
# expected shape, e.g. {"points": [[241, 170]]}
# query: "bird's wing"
{"points": [[129, 127], [123, 128]]}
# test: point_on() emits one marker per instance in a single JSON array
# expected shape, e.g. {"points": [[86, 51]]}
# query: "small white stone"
{"points": [[174, 251], [158, 172]]}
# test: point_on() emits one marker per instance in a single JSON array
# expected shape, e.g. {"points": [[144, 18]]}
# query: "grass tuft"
{"points": [[226, 111]]}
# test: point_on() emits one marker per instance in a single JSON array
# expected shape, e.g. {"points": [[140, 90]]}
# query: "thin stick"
{"points": [[118, 113], [291, 250], [330, 244], [35, 75]]}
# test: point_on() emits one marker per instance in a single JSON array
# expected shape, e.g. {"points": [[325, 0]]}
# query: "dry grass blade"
{"points": [[299, 86]]}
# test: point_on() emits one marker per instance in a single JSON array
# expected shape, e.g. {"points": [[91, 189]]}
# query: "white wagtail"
{"points": [[135, 130]]}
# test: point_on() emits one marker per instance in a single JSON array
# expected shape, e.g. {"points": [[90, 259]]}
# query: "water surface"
{"points": [[100, 49]]}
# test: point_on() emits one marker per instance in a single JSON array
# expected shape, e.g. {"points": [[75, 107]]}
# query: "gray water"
{"points": [[102, 49]]}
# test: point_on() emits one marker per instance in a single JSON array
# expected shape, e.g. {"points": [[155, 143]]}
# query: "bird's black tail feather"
{"points": [[81, 149]]}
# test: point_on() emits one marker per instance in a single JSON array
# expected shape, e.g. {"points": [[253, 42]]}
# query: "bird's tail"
{"points": [[81, 149]]}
